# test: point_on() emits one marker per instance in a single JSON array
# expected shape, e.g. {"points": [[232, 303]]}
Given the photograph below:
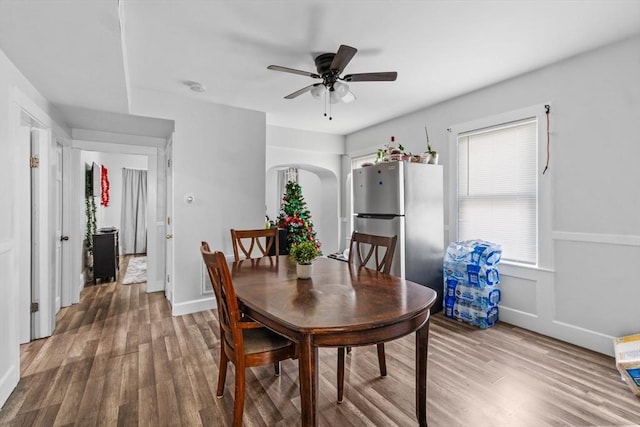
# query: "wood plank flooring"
{"points": [[120, 358]]}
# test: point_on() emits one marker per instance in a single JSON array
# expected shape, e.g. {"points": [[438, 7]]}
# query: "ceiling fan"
{"points": [[329, 66]]}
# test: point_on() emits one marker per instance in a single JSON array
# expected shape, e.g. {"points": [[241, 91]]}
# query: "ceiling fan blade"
{"points": [[293, 71], [301, 91], [386, 76], [342, 58]]}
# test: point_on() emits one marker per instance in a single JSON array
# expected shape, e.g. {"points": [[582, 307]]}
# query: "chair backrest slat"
{"points": [[381, 248], [263, 240]]}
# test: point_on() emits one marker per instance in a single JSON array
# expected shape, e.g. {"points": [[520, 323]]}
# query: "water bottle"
{"points": [[474, 316], [479, 298], [475, 275]]}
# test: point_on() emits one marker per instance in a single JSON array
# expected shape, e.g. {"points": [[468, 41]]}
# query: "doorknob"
{"points": [[63, 238], [169, 236]]}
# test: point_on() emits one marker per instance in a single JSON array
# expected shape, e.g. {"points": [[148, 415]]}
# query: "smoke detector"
{"points": [[196, 86]]}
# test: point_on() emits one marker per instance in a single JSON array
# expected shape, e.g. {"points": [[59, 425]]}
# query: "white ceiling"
{"points": [[75, 53]]}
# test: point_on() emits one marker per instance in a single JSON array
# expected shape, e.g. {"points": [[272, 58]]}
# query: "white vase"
{"points": [[433, 160], [304, 270], [425, 157]]}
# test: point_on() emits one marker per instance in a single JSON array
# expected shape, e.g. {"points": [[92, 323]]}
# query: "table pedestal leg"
{"points": [[422, 346], [308, 373]]}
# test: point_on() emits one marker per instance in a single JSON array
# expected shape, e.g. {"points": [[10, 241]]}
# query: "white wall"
{"points": [[109, 216], [219, 159], [588, 294], [319, 158]]}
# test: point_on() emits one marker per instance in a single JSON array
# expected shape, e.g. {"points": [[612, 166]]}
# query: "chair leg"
{"points": [[238, 404], [382, 361], [340, 374], [276, 366], [222, 373]]}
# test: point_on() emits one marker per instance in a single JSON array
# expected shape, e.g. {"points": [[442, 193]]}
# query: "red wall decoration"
{"points": [[104, 185]]}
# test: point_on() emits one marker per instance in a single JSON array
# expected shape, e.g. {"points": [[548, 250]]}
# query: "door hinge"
{"points": [[168, 163], [35, 307], [168, 279], [168, 220], [34, 161]]}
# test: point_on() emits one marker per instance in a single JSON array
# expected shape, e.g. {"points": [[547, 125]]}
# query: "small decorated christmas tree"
{"points": [[295, 217]]}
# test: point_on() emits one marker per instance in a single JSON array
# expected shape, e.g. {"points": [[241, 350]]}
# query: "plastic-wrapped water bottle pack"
{"points": [[475, 275], [476, 252], [482, 298], [461, 310], [471, 279]]}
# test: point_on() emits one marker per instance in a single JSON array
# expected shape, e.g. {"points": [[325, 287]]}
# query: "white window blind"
{"points": [[497, 188]]}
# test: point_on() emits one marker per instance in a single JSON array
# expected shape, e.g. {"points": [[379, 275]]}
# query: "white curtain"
{"points": [[133, 227]]}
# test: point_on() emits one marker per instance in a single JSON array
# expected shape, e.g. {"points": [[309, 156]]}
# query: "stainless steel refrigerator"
{"points": [[405, 199]]}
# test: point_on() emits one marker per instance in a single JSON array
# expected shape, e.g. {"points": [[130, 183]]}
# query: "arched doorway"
{"points": [[321, 193]]}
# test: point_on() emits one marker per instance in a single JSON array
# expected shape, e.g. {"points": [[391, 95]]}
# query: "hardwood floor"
{"points": [[120, 358]]}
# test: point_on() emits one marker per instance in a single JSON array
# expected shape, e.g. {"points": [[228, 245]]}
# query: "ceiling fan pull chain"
{"points": [[325, 102]]}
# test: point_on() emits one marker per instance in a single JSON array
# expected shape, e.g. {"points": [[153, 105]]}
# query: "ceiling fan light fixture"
{"points": [[340, 93], [334, 98], [317, 91], [341, 89], [349, 97]]}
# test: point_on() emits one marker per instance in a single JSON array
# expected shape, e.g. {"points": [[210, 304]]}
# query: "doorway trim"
{"points": [[51, 132], [86, 140]]}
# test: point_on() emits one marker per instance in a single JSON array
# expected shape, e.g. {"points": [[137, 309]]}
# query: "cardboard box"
{"points": [[627, 350]]}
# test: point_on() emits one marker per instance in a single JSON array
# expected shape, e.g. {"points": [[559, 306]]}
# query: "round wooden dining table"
{"points": [[339, 306]]}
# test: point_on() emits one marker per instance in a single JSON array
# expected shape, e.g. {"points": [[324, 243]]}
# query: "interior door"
{"points": [[59, 237], [168, 286], [23, 223], [35, 234], [43, 237]]}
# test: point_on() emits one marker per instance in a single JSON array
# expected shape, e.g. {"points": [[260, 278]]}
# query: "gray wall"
{"points": [[219, 159], [585, 292]]}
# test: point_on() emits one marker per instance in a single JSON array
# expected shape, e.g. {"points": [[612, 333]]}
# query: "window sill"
{"points": [[510, 268]]}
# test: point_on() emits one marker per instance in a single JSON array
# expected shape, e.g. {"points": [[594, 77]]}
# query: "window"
{"points": [[498, 187]]}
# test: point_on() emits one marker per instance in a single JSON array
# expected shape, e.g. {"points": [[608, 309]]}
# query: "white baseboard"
{"points": [[194, 306], [566, 332], [8, 383], [582, 337]]}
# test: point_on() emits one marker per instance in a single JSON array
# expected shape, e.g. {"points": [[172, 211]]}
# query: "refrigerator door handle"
{"points": [[379, 216]]}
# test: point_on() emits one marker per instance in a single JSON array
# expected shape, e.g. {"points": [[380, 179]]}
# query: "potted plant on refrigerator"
{"points": [[433, 155], [303, 254], [430, 156]]}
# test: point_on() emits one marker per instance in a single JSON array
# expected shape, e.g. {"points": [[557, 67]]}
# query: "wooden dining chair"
{"points": [[260, 242], [364, 248], [243, 342]]}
